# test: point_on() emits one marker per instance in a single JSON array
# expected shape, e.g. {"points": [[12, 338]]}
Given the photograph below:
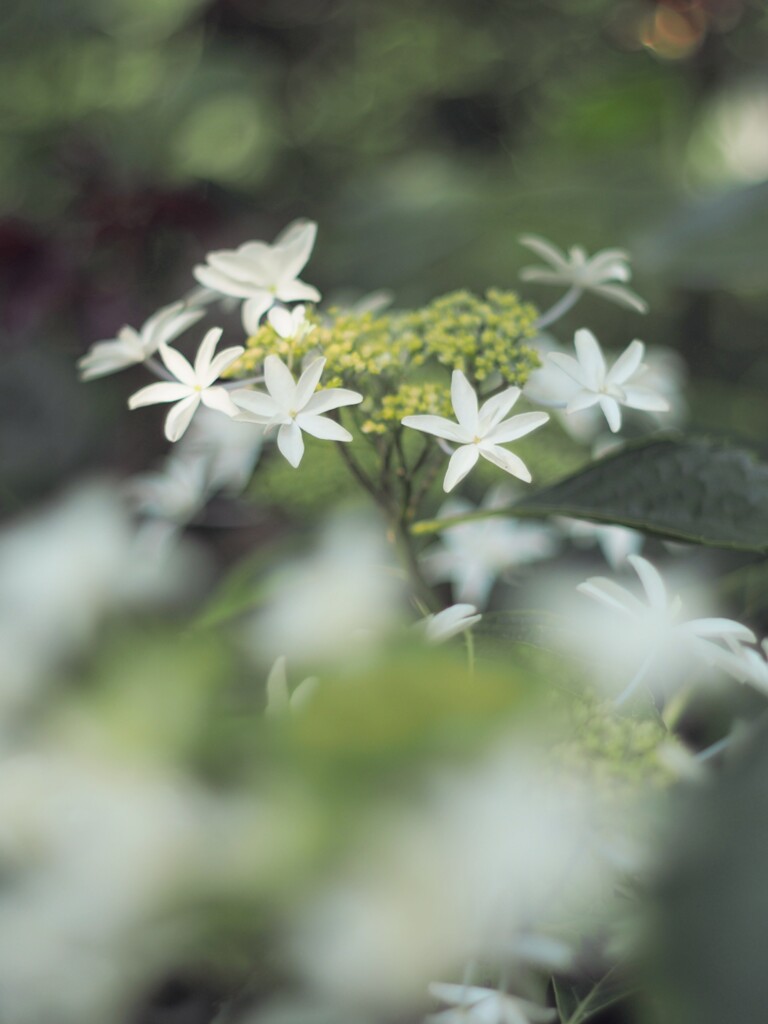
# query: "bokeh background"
{"points": [[423, 135]]}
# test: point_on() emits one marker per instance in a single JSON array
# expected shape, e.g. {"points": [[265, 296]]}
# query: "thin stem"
{"points": [[560, 308], [362, 478], [422, 591], [714, 749], [635, 682]]}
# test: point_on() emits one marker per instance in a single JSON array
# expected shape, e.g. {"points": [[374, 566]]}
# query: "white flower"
{"points": [[449, 622], [744, 663], [655, 633], [471, 555], [262, 273], [615, 542], [480, 431], [291, 325], [610, 389], [229, 448], [192, 386], [295, 406], [475, 1005], [604, 273], [132, 346], [336, 603], [279, 700], [176, 492]]}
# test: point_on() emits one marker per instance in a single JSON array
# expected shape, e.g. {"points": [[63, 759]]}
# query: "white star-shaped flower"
{"points": [[279, 700], [604, 273], [470, 1004], [609, 388], [262, 273], [193, 384], [295, 406], [655, 626], [292, 325], [480, 431], [472, 555], [131, 346], [449, 622]]}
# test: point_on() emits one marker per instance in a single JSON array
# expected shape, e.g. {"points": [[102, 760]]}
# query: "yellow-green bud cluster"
{"points": [[481, 337], [409, 400], [398, 360]]}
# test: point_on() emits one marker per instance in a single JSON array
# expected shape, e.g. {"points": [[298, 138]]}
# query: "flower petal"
{"points": [[180, 416], [253, 310], [627, 364], [591, 358], [572, 367], [462, 460], [546, 250], [653, 584], [291, 443], [152, 394], [613, 595], [516, 426], [220, 400], [439, 426], [220, 362], [281, 322], [205, 353], [178, 365], [308, 381], [297, 291], [332, 398], [622, 295], [464, 401], [222, 283], [256, 403], [293, 247], [323, 427], [280, 382], [612, 411], [507, 461], [495, 409], [645, 399], [583, 399]]}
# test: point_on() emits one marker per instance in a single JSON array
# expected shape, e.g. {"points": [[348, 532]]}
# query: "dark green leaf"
{"points": [[693, 490]]}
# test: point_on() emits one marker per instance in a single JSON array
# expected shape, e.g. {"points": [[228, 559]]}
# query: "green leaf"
{"points": [[693, 490]]}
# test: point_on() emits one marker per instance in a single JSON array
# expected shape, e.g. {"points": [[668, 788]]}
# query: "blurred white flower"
{"points": [[449, 622], [654, 633], [229, 448], [608, 388], [472, 555], [489, 852], [66, 568], [605, 273], [336, 603], [279, 700], [132, 346], [176, 492], [101, 862], [193, 384], [295, 406], [262, 273], [746, 664], [480, 431], [470, 1004], [616, 543], [292, 325]]}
